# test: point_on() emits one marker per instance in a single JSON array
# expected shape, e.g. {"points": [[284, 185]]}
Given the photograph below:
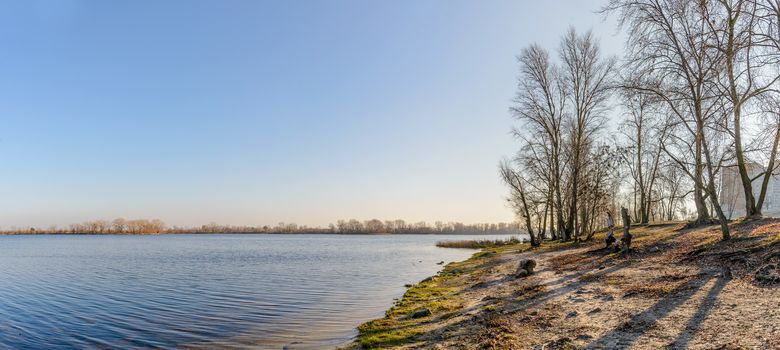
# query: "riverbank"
{"points": [[679, 288]]}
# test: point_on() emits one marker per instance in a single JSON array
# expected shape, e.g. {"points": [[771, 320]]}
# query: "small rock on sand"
{"points": [[420, 313], [525, 267]]}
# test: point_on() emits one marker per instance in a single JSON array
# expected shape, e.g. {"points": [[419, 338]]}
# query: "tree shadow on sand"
{"points": [[701, 314], [628, 332], [564, 288]]}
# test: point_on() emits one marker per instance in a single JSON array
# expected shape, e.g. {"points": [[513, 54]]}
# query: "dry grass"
{"points": [[478, 244]]}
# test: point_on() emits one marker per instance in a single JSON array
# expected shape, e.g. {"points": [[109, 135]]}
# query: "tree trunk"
{"points": [[769, 169], [572, 207], [527, 215], [724, 223], [553, 230], [702, 215], [643, 208], [559, 208], [747, 184], [713, 195], [543, 231]]}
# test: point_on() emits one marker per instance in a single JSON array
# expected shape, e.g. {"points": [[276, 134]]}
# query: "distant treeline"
{"points": [[374, 226]]}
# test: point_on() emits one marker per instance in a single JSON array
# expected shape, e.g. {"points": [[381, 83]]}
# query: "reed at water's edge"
{"points": [[479, 243]]}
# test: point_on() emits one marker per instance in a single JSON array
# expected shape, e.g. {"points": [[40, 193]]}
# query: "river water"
{"points": [[205, 291]]}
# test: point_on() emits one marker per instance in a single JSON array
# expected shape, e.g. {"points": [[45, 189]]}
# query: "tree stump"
{"points": [[626, 240]]}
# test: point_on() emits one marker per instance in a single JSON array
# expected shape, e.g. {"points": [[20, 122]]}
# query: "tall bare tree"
{"points": [[561, 107], [586, 75], [747, 73], [767, 37], [670, 46], [643, 131], [539, 105], [666, 46]]}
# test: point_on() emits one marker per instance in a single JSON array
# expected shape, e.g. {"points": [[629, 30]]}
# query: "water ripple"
{"points": [[203, 291]]}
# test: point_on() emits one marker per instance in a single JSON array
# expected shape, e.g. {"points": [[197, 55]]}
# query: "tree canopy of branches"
{"points": [[698, 91], [709, 63], [561, 106]]}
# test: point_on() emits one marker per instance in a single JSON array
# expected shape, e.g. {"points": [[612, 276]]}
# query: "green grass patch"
{"points": [[440, 295], [384, 333], [424, 295]]}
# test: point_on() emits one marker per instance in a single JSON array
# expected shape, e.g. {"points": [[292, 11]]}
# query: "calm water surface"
{"points": [[204, 291]]}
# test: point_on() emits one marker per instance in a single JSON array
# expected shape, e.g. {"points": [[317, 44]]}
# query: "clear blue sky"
{"points": [[256, 112]]}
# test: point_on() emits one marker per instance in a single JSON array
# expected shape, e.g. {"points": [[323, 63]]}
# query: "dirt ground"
{"points": [[678, 289]]}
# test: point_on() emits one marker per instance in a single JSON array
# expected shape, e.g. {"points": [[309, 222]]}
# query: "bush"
{"points": [[478, 244]]}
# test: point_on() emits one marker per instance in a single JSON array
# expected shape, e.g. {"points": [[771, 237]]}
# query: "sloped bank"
{"points": [[679, 288], [434, 302]]}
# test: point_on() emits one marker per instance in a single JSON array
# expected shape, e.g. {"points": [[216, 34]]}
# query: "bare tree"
{"points": [[561, 108], [747, 73], [519, 199], [767, 37], [671, 185], [539, 106], [586, 75], [643, 131], [670, 47], [119, 225], [666, 47]]}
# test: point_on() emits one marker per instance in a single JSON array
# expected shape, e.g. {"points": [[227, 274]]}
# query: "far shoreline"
{"points": [[254, 233]]}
